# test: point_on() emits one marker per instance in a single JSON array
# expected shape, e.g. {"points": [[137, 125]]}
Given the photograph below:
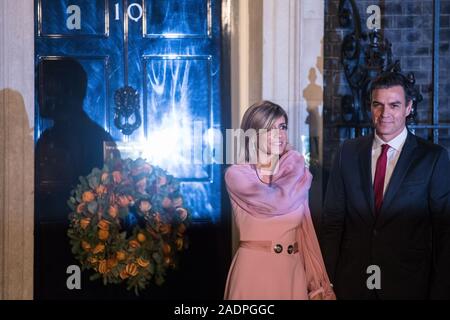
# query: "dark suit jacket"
{"points": [[410, 238]]}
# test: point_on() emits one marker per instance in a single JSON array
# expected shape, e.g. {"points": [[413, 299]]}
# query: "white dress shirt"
{"points": [[395, 147]]}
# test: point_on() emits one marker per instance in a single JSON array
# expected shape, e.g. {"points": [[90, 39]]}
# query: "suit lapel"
{"points": [[401, 168], [365, 163]]}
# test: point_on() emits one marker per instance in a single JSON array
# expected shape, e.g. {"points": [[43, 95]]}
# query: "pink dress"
{"points": [[273, 220]]}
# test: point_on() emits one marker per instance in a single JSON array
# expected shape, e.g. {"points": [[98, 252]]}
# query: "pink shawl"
{"points": [[286, 193]]}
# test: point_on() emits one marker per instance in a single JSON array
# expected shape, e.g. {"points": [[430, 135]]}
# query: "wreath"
{"points": [[128, 223]]}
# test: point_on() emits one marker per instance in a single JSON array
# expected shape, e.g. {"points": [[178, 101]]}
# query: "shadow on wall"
{"points": [[16, 196], [13, 114], [313, 95], [16, 139]]}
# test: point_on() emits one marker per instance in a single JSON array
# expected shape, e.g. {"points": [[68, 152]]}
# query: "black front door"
{"points": [[170, 53]]}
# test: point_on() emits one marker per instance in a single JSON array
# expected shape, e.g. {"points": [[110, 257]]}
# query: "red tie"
{"points": [[378, 182]]}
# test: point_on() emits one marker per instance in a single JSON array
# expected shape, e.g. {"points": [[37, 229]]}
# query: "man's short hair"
{"points": [[391, 79]]}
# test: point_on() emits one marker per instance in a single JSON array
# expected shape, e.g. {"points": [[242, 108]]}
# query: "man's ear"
{"points": [[409, 107]]}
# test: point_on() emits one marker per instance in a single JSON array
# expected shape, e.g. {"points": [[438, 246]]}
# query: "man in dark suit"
{"points": [[386, 222]]}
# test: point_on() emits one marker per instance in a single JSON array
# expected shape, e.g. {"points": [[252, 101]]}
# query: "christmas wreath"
{"points": [[128, 223]]}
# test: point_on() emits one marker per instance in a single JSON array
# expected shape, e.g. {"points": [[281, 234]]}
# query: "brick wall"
{"points": [[408, 25]]}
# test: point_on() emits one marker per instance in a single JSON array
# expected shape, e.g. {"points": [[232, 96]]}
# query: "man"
{"points": [[386, 222]]}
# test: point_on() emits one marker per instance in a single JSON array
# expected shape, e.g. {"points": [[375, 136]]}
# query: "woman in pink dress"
{"points": [[279, 256]]}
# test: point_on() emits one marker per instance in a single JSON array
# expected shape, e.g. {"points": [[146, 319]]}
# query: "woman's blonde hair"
{"points": [[260, 115]]}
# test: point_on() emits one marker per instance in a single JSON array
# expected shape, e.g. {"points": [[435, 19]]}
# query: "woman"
{"points": [[279, 255]]}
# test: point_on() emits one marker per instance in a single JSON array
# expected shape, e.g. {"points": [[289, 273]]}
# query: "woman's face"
{"points": [[274, 140]]}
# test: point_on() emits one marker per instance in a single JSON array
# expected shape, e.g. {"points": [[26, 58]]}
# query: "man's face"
{"points": [[389, 111]]}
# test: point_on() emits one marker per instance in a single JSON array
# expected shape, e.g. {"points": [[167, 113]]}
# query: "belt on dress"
{"points": [[269, 246]]}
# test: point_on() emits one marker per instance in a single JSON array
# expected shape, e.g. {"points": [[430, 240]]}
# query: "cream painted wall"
{"points": [[16, 148]]}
